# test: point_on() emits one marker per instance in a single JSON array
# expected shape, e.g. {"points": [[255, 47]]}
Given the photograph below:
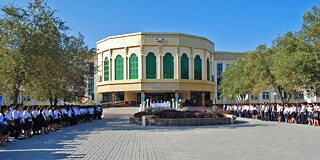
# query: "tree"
{"points": [[310, 33], [35, 51], [234, 81], [15, 53]]}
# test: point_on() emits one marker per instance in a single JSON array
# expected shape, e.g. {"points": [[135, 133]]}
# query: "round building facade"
{"points": [[155, 66]]}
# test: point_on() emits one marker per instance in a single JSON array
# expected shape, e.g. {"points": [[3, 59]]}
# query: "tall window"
{"points": [[184, 67], [219, 70], [151, 66], [119, 67], [106, 69], [208, 70], [197, 68], [219, 77], [168, 66], [133, 65], [265, 95]]}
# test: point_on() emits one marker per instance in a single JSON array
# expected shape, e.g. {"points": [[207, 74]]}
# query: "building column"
{"points": [[126, 64], [191, 77], [141, 67], [203, 99], [111, 72], [159, 66], [113, 94], [177, 70], [204, 67], [125, 70]]}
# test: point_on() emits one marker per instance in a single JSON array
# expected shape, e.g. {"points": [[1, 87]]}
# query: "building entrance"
{"points": [[159, 97]]}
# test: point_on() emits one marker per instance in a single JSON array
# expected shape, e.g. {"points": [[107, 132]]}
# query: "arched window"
{"points": [[151, 66], [133, 66], [208, 69], [168, 66], [184, 66], [197, 68], [119, 67], [106, 69]]}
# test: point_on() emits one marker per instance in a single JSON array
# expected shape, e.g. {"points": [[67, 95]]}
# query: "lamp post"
{"points": [[22, 88]]}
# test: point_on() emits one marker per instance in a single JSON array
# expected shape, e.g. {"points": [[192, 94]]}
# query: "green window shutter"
{"points": [[133, 65], [168, 66], [197, 68], [106, 69], [119, 67], [151, 66], [184, 66], [208, 69]]}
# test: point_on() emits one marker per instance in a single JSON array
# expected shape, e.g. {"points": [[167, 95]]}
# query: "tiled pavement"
{"points": [[114, 138]]}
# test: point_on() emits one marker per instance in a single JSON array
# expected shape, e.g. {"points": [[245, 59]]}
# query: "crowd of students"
{"points": [[23, 122], [302, 113]]}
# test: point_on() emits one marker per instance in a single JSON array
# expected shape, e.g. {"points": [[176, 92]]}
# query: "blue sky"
{"points": [[234, 25]]}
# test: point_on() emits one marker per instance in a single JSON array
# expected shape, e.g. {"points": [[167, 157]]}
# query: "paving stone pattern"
{"points": [[114, 138]]}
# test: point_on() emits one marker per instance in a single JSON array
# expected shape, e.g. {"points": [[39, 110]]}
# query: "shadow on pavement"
{"points": [[63, 143]]}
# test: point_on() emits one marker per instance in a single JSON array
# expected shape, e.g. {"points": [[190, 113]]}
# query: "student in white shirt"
{"points": [[27, 119], [3, 126], [316, 114], [57, 118], [17, 119], [64, 116], [91, 113], [310, 114]]}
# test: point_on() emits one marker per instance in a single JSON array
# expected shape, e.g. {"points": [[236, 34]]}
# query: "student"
{"points": [[316, 114], [280, 113], [17, 122], [293, 112], [3, 126], [310, 114], [91, 113], [255, 112], [27, 120], [70, 117], [286, 113], [44, 120], [99, 110], [57, 118], [9, 120], [35, 120], [64, 115], [266, 113]]}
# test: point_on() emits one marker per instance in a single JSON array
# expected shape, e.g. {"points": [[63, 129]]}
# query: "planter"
{"points": [[183, 121]]}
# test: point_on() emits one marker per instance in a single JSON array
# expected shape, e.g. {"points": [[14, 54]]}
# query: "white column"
{"points": [[159, 63], [260, 97], [177, 65], [111, 71]]}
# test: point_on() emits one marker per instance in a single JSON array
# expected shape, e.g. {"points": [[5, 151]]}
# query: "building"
{"points": [[155, 66]]}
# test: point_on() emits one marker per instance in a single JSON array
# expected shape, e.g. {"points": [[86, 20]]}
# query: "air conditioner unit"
{"points": [[99, 78]]}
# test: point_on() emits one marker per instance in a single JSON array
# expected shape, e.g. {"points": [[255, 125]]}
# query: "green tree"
{"points": [[234, 81], [15, 53]]}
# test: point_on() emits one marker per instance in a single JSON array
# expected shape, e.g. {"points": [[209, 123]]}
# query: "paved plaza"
{"points": [[114, 138]]}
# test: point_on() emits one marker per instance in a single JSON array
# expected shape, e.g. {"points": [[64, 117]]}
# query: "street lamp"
{"points": [[22, 88]]}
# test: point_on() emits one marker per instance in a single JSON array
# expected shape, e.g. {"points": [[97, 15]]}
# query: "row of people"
{"points": [[22, 122], [303, 113]]}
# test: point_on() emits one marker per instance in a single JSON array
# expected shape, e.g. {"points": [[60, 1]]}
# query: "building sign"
{"points": [[159, 85]]}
